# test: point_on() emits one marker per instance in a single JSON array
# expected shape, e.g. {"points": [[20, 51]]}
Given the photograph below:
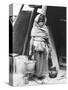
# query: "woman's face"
{"points": [[41, 24]]}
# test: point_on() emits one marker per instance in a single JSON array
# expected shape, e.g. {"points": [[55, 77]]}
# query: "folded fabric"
{"points": [[39, 46], [39, 31]]}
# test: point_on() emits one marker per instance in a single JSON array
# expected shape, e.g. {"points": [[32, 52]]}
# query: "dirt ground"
{"points": [[18, 79]]}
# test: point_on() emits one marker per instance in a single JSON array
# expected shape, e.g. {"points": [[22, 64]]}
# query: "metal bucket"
{"points": [[20, 64], [30, 65]]}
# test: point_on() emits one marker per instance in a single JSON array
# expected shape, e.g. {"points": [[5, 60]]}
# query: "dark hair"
{"points": [[41, 18]]}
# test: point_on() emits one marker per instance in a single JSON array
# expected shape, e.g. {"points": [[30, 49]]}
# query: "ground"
{"points": [[18, 79]]}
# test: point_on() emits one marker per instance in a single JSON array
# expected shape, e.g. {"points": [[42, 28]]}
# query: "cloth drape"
{"points": [[40, 49]]}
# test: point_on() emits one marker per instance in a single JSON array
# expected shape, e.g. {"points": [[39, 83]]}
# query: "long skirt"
{"points": [[42, 62]]}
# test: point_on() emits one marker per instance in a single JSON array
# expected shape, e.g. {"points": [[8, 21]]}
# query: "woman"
{"points": [[39, 46]]}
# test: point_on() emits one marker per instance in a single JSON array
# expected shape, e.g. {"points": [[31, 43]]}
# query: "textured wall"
{"points": [[19, 31]]}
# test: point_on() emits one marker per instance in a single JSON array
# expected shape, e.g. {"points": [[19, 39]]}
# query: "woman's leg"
{"points": [[39, 63]]}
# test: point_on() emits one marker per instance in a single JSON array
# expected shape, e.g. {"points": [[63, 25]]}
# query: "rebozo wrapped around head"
{"points": [[40, 18]]}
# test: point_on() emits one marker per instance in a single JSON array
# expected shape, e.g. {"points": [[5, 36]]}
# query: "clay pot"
{"points": [[53, 73]]}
